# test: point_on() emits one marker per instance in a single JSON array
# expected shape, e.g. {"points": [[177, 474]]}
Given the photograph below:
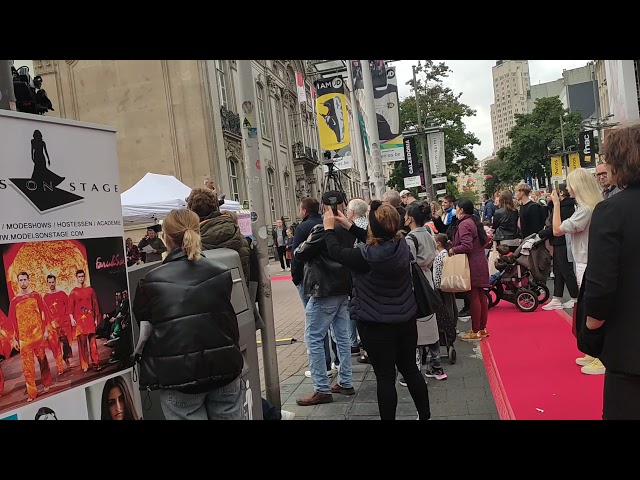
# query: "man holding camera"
{"points": [[328, 286]]}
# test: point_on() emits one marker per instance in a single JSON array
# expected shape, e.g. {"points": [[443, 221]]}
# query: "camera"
{"points": [[30, 96]]}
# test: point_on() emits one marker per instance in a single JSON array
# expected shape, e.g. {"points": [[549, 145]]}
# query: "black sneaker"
{"points": [[355, 351], [437, 373], [402, 382], [464, 313]]}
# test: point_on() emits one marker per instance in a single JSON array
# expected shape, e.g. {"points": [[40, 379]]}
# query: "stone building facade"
{"points": [[180, 117]]}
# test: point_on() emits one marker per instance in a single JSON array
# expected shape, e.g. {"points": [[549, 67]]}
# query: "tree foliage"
{"points": [[534, 137], [439, 107]]}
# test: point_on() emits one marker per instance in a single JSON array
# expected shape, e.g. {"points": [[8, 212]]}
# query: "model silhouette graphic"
{"points": [[334, 117], [41, 174]]}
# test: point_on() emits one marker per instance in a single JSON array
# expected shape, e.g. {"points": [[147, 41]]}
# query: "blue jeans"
{"points": [[322, 313], [327, 346], [224, 403], [353, 333]]}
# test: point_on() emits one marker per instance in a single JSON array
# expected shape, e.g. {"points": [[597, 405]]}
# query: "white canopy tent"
{"points": [[154, 196]]}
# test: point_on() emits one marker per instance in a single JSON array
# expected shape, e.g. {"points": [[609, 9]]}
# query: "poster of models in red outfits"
{"points": [[65, 320]]}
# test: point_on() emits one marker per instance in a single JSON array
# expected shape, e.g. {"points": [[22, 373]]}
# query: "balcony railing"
{"points": [[230, 121], [300, 152]]}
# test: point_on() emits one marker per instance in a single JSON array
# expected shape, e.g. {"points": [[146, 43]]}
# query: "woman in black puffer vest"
{"points": [[189, 338], [383, 303]]}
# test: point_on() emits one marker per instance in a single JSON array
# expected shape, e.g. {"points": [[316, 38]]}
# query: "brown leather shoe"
{"points": [[337, 388], [314, 398]]}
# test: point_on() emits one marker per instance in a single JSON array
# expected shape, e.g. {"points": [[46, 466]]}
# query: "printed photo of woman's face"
{"points": [[116, 404]]}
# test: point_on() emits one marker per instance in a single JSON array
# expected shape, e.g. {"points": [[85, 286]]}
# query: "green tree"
{"points": [[498, 173], [439, 107], [537, 134]]}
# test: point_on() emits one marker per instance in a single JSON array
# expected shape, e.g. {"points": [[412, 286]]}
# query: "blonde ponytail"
{"points": [[191, 244], [183, 228]]}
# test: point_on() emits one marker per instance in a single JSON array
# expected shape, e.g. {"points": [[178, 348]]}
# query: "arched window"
{"points": [[221, 73], [264, 121], [287, 194], [233, 179], [280, 120], [271, 193]]}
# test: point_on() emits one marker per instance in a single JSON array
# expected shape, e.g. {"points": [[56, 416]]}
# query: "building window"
{"points": [[233, 179], [280, 121], [261, 111], [271, 192], [287, 194], [223, 96]]}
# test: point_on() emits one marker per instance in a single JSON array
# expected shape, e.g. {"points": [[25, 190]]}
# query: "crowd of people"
{"points": [[368, 307]]}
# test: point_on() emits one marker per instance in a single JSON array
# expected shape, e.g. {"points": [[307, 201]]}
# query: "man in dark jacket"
{"points": [[562, 268], [488, 209], [328, 286], [218, 229], [309, 212]]}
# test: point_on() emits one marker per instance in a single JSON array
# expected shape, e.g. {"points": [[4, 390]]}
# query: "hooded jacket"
{"points": [[219, 231]]}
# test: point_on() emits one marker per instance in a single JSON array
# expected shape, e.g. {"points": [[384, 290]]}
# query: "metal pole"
{"points": [[357, 143], [7, 95], [597, 107], [564, 149], [426, 167], [377, 176], [259, 230]]}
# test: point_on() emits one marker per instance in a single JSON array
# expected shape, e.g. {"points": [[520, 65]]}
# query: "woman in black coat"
{"points": [[608, 302]]}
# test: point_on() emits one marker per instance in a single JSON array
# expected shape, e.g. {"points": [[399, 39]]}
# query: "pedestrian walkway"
{"points": [[465, 395]]}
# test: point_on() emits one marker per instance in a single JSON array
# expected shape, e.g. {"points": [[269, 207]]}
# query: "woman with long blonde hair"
{"points": [[584, 188], [189, 338]]}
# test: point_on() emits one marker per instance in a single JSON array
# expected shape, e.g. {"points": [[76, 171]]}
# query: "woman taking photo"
{"points": [[188, 329], [584, 188], [383, 303], [611, 281], [505, 222], [470, 239]]}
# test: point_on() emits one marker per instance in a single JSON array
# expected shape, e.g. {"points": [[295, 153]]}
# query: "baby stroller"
{"points": [[523, 276]]}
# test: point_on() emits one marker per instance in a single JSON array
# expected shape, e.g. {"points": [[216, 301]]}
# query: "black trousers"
{"points": [[621, 400], [281, 256], [391, 345], [564, 273]]}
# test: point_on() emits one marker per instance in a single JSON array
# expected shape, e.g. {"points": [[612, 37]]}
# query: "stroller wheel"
{"points": [[452, 355], [543, 292], [526, 300]]}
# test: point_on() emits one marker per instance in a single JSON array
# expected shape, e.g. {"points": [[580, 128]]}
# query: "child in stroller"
{"points": [[522, 276]]}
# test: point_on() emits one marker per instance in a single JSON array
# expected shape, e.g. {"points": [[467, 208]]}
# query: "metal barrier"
{"points": [[246, 324]]}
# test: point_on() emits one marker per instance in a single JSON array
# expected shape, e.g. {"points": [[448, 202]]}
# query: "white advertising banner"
{"points": [[435, 142], [63, 269]]}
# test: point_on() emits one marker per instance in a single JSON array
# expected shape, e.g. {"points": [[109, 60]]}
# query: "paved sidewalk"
{"points": [[465, 395]]}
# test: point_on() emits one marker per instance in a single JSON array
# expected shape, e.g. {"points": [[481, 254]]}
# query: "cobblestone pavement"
{"points": [[464, 395]]}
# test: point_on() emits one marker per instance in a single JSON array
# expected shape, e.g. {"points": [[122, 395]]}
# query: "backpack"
{"points": [[427, 299]]}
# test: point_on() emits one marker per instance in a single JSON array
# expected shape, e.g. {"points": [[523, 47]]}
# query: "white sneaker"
{"points": [[555, 304], [570, 303], [287, 415], [594, 368], [334, 367], [586, 360], [330, 373]]}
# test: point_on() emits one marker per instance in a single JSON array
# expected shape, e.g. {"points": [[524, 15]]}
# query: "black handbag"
{"points": [[427, 299]]}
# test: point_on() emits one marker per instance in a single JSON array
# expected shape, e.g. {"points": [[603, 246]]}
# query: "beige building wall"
{"points": [[510, 86], [156, 106]]}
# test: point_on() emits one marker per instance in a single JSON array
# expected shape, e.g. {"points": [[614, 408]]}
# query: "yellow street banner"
{"points": [[574, 161], [556, 166], [331, 107]]}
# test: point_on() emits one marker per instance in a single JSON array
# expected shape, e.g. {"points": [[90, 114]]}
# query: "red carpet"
{"points": [[530, 362], [275, 278]]}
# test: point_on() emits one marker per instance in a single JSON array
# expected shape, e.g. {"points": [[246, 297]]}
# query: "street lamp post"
{"points": [[425, 161], [564, 149]]}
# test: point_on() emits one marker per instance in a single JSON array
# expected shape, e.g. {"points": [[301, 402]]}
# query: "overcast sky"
{"points": [[473, 78]]}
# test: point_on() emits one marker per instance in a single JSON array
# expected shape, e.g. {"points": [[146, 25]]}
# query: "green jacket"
{"points": [[218, 231]]}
